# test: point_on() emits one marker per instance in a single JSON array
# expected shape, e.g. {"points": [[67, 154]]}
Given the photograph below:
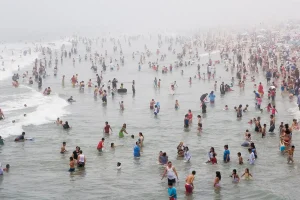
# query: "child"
{"points": [[291, 154], [269, 107], [63, 148], [214, 159], [226, 107], [226, 156], [247, 174], [263, 131], [186, 121], [176, 104], [199, 123], [246, 108], [259, 100], [235, 176], [274, 111], [121, 105], [250, 122], [172, 192], [72, 165], [240, 158]]}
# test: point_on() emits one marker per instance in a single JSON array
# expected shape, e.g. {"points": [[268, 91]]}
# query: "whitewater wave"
{"points": [[45, 110]]}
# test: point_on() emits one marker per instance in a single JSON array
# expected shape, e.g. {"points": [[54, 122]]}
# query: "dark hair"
{"points": [[7, 166], [239, 153], [118, 164], [193, 172], [111, 144], [132, 136], [71, 158], [64, 142], [226, 146], [80, 151], [234, 171], [103, 138], [249, 149], [218, 174], [170, 184]]}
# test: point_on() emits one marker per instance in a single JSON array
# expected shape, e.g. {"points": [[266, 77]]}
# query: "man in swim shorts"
{"points": [[189, 186], [72, 165]]}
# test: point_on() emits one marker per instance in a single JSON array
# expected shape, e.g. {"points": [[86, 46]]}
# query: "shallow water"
{"points": [[39, 171]]}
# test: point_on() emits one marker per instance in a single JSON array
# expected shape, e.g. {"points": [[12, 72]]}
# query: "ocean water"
{"points": [[39, 171]]}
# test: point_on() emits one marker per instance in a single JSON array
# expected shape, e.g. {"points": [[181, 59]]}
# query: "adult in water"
{"points": [[66, 125], [20, 138], [107, 128], [171, 173], [136, 150], [222, 88], [75, 153], [71, 99], [189, 185], [81, 159], [1, 114], [123, 129]]}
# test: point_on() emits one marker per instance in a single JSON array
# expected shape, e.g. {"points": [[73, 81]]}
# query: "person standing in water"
{"points": [[123, 129], [100, 146], [133, 87], [189, 185], [72, 165], [171, 173], [136, 150], [107, 128], [217, 180], [81, 161], [63, 148]]}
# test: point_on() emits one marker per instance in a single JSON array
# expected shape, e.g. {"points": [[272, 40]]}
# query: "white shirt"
{"points": [[251, 158]]}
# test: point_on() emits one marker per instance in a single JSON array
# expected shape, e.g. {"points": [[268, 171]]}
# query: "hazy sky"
{"points": [[22, 19]]}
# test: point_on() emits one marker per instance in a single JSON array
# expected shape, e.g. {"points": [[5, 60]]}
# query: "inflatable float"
{"points": [[123, 90]]}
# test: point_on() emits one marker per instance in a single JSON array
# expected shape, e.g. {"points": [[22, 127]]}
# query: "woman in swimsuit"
{"points": [[180, 151], [123, 129], [217, 180]]}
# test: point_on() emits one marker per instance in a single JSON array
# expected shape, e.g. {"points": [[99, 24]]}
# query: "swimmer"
{"points": [[247, 174], [63, 148], [20, 138], [176, 104], [226, 107], [100, 146], [187, 155], [235, 176], [66, 125], [246, 108], [123, 129], [250, 122], [119, 165], [71, 99], [240, 158], [217, 180], [199, 123], [121, 105], [189, 185], [72, 165]]}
